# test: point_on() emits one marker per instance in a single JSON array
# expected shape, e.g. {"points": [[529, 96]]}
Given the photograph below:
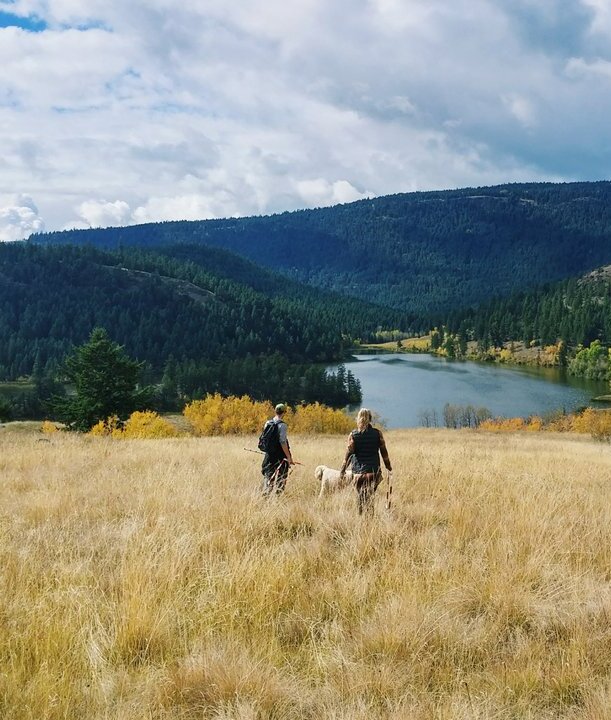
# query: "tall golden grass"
{"points": [[150, 580]]}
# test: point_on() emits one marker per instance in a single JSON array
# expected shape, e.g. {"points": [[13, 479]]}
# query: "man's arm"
{"points": [[284, 442], [287, 452], [384, 452]]}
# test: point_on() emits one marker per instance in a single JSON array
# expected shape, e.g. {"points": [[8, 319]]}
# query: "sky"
{"points": [[115, 113]]}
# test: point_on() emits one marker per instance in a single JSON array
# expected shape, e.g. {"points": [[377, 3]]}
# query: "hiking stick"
{"points": [[258, 452], [389, 490]]}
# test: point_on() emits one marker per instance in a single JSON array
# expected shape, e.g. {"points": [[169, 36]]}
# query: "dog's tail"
{"points": [[318, 472]]}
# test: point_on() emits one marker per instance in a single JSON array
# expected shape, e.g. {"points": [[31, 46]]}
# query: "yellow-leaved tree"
{"points": [[140, 425], [217, 415]]}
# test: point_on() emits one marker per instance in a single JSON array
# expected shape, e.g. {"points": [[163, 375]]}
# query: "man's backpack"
{"points": [[269, 437]]}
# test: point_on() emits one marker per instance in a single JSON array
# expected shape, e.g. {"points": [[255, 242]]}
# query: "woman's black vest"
{"points": [[366, 450]]}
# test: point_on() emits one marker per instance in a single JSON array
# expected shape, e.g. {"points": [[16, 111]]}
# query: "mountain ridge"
{"points": [[422, 252], [160, 306]]}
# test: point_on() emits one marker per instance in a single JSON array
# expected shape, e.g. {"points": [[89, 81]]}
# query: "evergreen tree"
{"points": [[436, 339], [6, 409], [450, 347], [105, 382]]}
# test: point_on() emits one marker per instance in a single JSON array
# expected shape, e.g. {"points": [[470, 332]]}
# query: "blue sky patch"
{"points": [[31, 23]]}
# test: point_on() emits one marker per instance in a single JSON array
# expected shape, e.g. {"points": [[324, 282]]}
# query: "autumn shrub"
{"points": [[106, 428], [140, 425], [550, 353], [583, 422], [147, 424], [216, 415], [596, 423], [503, 425], [317, 418], [562, 422], [48, 427], [534, 424], [602, 427]]}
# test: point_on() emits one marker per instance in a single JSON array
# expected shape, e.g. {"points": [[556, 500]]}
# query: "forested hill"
{"points": [[423, 252], [163, 308], [576, 311]]}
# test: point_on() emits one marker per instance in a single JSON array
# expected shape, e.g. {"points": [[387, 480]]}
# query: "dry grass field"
{"points": [[148, 579], [422, 344]]}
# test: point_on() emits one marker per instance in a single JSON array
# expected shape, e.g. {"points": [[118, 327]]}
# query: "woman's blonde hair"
{"points": [[363, 419]]}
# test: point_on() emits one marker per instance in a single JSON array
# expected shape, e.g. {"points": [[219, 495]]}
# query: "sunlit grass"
{"points": [[149, 580], [421, 343]]}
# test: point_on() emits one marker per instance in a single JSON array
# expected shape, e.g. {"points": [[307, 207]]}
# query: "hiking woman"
{"points": [[365, 445]]}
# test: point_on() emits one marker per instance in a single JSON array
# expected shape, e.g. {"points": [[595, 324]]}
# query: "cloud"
{"points": [[521, 108], [118, 113], [19, 219], [577, 68], [96, 213], [321, 192], [602, 17]]}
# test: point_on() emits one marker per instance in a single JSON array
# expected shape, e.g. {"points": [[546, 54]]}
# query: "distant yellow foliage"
{"points": [[48, 427], [106, 428], [216, 415], [584, 421], [503, 425], [562, 423], [320, 419], [140, 425], [147, 424], [551, 349], [535, 424], [596, 423]]}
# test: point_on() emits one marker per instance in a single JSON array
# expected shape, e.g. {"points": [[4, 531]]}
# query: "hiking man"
{"points": [[275, 444], [365, 445]]}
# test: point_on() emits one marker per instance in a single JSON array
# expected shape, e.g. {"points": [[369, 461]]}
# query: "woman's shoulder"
{"points": [[368, 429]]}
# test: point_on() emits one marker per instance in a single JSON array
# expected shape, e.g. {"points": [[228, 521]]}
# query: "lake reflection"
{"points": [[400, 387]]}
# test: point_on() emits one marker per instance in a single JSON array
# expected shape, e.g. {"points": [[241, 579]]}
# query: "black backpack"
{"points": [[269, 437]]}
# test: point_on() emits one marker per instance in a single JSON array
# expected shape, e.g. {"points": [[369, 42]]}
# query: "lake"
{"points": [[399, 387]]}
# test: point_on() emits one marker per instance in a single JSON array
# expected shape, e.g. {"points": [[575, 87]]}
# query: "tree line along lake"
{"points": [[401, 387]]}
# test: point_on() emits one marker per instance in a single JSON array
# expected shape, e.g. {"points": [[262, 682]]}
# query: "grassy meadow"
{"points": [[148, 579]]}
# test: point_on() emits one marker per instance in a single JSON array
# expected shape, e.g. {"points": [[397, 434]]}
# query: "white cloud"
{"points": [[521, 108], [321, 192], [19, 218], [579, 68], [185, 207], [129, 112], [602, 16], [94, 213]]}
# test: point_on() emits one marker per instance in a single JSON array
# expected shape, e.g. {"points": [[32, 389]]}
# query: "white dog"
{"points": [[330, 480]]}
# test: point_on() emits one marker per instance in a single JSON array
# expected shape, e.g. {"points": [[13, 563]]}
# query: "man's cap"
{"points": [[280, 408]]}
